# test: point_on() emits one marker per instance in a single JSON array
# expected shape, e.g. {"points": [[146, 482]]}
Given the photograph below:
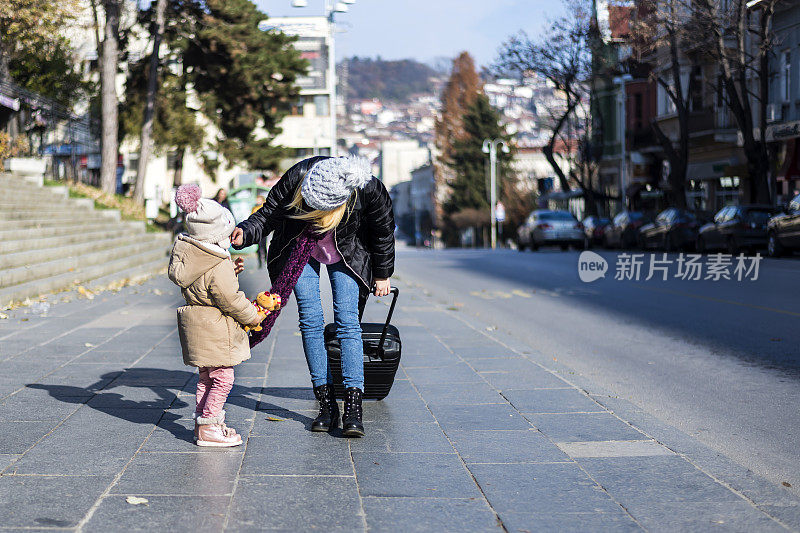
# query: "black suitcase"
{"points": [[382, 348]]}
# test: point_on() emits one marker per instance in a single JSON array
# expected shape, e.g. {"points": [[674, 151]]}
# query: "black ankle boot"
{"points": [[328, 417], [351, 419]]}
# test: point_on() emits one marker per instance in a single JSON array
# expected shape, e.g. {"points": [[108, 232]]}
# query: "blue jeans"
{"points": [[345, 314]]}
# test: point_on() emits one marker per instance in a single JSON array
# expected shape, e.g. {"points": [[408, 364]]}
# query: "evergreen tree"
{"points": [[469, 163], [50, 70], [462, 88], [217, 67], [244, 77]]}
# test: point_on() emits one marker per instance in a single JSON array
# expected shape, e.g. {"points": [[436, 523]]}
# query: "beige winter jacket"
{"points": [[210, 325]]}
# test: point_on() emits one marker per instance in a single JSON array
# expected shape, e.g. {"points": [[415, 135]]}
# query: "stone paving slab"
{"points": [[479, 433]]}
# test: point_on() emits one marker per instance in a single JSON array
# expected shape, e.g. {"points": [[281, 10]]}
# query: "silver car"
{"points": [[544, 228]]}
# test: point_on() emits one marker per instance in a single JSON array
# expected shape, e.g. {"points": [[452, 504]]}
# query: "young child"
{"points": [[211, 323]]}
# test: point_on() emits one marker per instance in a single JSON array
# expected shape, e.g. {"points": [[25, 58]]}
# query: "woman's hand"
{"points": [[238, 265], [237, 237], [382, 287]]}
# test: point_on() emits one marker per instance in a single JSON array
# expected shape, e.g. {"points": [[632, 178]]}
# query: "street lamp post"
{"points": [[490, 147], [623, 134], [331, 8]]}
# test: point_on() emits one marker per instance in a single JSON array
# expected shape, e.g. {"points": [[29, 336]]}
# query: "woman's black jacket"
{"points": [[365, 238]]}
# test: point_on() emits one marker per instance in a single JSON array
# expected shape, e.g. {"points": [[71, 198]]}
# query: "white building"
{"points": [[307, 128], [399, 158]]}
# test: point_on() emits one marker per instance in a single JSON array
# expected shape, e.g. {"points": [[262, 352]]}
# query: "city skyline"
{"points": [[415, 29]]}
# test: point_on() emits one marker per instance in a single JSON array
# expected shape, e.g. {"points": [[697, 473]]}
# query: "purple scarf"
{"points": [[287, 279]]}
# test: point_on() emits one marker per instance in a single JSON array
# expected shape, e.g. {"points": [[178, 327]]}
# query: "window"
{"points": [[786, 75], [321, 105], [665, 104], [638, 110], [695, 89]]}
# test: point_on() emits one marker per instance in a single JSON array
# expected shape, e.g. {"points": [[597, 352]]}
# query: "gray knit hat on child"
{"points": [[330, 182], [205, 220]]}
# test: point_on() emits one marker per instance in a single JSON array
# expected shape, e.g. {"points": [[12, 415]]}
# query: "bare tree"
{"points": [[741, 41], [145, 142], [563, 56], [108, 90], [662, 35]]}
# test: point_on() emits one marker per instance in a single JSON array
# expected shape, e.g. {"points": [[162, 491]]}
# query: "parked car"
{"points": [[624, 229], [736, 227], [544, 227], [783, 230], [594, 228], [672, 229]]}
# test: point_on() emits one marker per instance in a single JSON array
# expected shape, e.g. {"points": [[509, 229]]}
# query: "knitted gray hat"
{"points": [[329, 182], [205, 220]]}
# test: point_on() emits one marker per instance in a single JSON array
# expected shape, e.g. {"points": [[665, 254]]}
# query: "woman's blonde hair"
{"points": [[323, 220]]}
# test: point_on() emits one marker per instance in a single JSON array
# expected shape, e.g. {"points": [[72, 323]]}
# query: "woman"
{"points": [[222, 199], [352, 214]]}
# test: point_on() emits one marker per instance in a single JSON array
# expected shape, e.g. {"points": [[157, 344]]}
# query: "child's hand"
{"points": [[238, 265], [237, 237], [258, 320]]}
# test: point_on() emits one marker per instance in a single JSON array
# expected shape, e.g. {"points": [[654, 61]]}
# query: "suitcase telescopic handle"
{"points": [[395, 293]]}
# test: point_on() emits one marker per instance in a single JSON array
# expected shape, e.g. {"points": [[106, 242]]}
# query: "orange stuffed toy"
{"points": [[265, 303]]}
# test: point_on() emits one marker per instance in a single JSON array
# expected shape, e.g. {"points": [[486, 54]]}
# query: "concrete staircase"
{"points": [[50, 242]]}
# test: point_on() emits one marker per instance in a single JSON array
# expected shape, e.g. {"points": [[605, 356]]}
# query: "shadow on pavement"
{"points": [[164, 386]]}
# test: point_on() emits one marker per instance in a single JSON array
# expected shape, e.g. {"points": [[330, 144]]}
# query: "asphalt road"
{"points": [[719, 360]]}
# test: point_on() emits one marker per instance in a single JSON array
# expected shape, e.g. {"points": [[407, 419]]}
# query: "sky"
{"points": [[427, 29]]}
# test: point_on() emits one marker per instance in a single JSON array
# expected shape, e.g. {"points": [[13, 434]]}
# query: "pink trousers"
{"points": [[212, 390]]}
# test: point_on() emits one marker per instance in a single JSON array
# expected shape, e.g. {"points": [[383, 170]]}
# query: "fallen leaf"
{"points": [[83, 291], [136, 500], [88, 345], [275, 419], [786, 484], [24, 319]]}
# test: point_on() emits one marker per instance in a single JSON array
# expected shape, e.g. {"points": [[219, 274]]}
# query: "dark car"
{"points": [[673, 229], [736, 227], [594, 228], [624, 229], [783, 231]]}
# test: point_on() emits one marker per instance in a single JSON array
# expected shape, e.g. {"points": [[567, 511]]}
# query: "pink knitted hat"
{"points": [[206, 220]]}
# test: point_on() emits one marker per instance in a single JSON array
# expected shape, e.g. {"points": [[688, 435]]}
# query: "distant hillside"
{"points": [[387, 80]]}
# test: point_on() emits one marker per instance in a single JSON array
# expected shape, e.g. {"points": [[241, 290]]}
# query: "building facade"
{"points": [[398, 158], [306, 129], [783, 110]]}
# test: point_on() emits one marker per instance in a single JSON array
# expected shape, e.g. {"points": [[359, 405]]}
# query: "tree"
{"points": [[109, 65], [176, 126], [33, 53], [218, 68], [156, 32], [27, 25], [50, 70], [563, 56], [244, 79], [461, 90], [741, 41], [470, 190], [665, 30]]}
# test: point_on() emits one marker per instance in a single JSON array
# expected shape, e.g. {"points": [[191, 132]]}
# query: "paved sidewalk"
{"points": [[479, 433]]}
